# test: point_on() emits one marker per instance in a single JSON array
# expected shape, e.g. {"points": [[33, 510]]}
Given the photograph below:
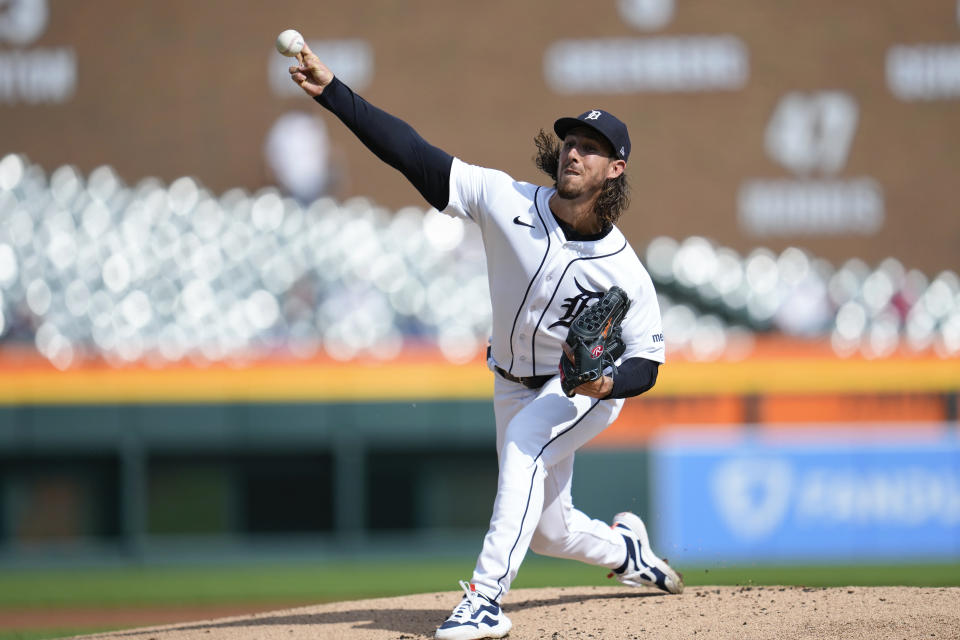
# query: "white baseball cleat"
{"points": [[642, 567], [477, 616]]}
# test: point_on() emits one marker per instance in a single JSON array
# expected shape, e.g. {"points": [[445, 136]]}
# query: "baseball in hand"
{"points": [[290, 42]]}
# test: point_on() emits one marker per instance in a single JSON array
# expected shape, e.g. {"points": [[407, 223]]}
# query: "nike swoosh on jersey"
{"points": [[517, 220]]}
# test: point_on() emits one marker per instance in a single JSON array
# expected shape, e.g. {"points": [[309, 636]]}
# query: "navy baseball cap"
{"points": [[604, 123]]}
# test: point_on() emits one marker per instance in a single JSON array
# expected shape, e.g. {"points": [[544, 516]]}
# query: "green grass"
{"points": [[320, 582], [167, 586]]}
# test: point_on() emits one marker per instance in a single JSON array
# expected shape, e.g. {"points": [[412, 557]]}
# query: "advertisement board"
{"points": [[807, 495]]}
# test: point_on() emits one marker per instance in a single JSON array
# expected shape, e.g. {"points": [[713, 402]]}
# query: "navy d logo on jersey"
{"points": [[574, 305]]}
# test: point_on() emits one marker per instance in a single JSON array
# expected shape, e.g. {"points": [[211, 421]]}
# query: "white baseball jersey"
{"points": [[539, 280]]}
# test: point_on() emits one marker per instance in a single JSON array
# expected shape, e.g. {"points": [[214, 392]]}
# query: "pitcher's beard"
{"points": [[568, 192]]}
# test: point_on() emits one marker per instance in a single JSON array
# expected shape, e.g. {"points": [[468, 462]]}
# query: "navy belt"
{"points": [[530, 382]]}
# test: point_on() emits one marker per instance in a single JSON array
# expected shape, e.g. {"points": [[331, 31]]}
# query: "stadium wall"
{"points": [[130, 460]]}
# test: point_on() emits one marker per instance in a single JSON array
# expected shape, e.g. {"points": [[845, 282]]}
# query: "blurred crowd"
{"points": [[91, 268]]}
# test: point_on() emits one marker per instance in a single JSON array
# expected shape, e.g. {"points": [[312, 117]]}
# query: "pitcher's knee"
{"points": [[540, 544], [521, 452], [549, 543]]}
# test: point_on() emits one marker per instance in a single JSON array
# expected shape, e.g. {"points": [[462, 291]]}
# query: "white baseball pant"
{"points": [[538, 432]]}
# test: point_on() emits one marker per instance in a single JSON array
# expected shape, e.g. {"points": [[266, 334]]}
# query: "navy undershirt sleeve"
{"points": [[428, 169], [393, 141], [633, 377]]}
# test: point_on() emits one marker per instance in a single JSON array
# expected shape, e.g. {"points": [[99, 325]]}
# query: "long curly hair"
{"points": [[615, 196]]}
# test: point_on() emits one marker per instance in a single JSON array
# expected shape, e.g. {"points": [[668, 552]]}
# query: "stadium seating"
{"points": [[93, 268]]}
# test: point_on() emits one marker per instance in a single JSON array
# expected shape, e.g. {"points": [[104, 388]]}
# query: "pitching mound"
{"points": [[740, 613]]}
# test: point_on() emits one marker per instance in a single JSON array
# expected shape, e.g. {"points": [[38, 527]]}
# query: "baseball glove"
{"points": [[593, 341]]}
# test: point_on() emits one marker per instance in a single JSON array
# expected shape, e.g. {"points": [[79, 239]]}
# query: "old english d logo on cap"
{"points": [[604, 123]]}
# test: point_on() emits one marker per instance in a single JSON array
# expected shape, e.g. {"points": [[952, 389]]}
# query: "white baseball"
{"points": [[290, 42]]}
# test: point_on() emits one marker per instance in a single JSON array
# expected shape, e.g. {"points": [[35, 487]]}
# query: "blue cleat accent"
{"points": [[643, 568], [477, 616]]}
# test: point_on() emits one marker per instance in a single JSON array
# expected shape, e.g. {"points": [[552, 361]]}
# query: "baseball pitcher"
{"points": [[576, 329]]}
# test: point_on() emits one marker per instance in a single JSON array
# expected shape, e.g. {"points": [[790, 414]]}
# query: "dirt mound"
{"points": [[741, 613]]}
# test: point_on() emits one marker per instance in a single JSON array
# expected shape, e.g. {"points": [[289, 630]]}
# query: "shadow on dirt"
{"points": [[402, 621], [520, 605]]}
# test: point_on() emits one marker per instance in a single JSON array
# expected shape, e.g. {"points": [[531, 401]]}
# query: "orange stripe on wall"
{"points": [[643, 417], [854, 408]]}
